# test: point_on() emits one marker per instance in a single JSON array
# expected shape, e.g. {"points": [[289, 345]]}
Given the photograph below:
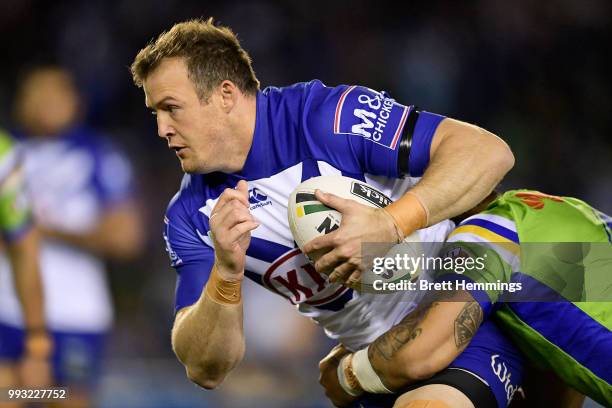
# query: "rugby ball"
{"points": [[309, 218]]}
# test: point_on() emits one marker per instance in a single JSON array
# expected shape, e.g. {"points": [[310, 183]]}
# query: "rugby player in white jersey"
{"points": [[83, 202], [244, 150], [20, 242]]}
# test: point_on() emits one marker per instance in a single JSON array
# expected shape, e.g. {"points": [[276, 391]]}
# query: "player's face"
{"points": [[196, 130], [47, 102]]}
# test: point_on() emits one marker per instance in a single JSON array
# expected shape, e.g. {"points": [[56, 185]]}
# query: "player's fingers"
{"points": [[247, 226], [230, 205], [230, 194], [328, 262], [222, 212], [324, 241], [332, 200], [233, 194], [354, 280], [230, 215], [243, 188], [341, 273], [339, 350], [239, 230], [237, 237], [333, 356], [227, 219]]}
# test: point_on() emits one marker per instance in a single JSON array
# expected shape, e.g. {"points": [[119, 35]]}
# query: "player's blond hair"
{"points": [[212, 54]]}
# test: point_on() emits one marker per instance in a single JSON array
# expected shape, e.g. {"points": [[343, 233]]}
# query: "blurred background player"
{"points": [[20, 246], [81, 189]]}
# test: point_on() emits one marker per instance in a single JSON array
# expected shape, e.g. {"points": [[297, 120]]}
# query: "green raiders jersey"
{"points": [[15, 214], [545, 275]]}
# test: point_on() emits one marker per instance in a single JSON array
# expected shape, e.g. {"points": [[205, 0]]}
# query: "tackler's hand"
{"points": [[328, 377]]}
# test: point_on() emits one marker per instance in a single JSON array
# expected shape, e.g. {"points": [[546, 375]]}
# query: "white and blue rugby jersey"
{"points": [[72, 180], [302, 131]]}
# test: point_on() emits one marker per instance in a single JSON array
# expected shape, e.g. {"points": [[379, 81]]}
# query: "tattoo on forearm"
{"points": [[386, 346], [389, 343], [467, 323]]}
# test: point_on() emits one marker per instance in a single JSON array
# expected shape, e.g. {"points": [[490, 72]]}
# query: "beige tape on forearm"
{"points": [[367, 377], [347, 378], [409, 213], [223, 291]]}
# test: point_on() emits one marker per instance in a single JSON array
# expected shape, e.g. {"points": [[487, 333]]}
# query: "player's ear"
{"points": [[229, 94]]}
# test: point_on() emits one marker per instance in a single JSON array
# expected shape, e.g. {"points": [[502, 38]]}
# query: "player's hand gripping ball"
{"points": [[310, 218]]}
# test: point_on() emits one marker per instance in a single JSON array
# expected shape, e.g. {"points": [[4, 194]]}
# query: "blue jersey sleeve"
{"points": [[362, 130], [190, 255]]}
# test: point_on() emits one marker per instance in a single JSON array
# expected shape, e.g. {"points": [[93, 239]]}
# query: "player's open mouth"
{"points": [[178, 150]]}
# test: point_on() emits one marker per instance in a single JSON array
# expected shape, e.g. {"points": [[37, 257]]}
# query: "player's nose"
{"points": [[164, 129]]}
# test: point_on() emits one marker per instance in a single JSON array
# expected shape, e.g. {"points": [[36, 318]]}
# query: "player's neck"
{"points": [[245, 130]]}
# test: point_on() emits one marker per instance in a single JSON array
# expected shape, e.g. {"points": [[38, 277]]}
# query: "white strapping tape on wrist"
{"points": [[342, 379], [367, 377]]}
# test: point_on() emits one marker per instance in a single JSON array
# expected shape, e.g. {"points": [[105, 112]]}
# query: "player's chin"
{"points": [[186, 166], [191, 167]]}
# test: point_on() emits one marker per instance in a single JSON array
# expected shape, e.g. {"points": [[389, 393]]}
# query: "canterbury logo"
{"points": [[256, 196]]}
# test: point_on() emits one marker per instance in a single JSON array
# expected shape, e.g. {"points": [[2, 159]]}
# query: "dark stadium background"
{"points": [[535, 73]]}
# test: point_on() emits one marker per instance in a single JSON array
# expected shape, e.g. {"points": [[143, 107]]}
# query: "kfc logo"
{"points": [[293, 277]]}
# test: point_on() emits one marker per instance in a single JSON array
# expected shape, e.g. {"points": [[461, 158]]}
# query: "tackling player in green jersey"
{"points": [[546, 282], [559, 250]]}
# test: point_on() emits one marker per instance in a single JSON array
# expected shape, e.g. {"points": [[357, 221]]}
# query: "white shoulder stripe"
{"points": [[510, 258], [499, 220], [208, 206]]}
